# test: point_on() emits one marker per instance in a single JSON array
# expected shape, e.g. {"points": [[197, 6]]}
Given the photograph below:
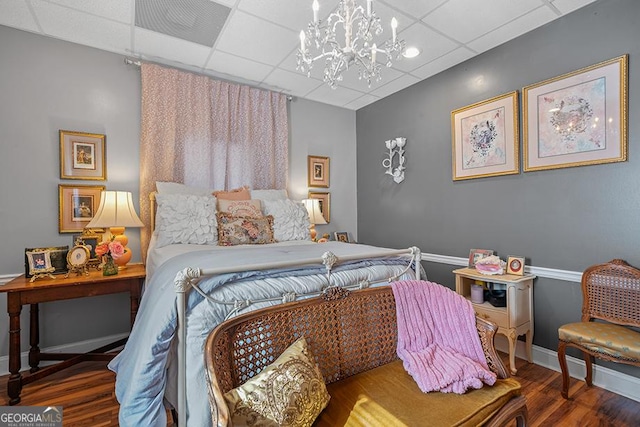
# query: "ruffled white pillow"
{"points": [[290, 219], [185, 218]]}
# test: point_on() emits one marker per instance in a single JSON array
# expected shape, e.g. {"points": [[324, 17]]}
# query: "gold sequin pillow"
{"points": [[242, 230], [289, 392]]}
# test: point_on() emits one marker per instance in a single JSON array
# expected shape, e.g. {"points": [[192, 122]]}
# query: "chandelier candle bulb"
{"points": [[374, 50], [302, 37], [394, 28], [369, 7], [316, 7]]}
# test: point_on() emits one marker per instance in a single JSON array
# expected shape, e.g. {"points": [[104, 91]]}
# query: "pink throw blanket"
{"points": [[437, 338]]}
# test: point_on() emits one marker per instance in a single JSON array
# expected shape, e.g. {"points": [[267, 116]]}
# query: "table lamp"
{"points": [[116, 211], [315, 215]]}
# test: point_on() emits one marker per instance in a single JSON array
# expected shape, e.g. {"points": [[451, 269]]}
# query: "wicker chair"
{"points": [[611, 295]]}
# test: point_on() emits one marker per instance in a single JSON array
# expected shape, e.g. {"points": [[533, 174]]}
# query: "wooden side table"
{"points": [[513, 320], [21, 292]]}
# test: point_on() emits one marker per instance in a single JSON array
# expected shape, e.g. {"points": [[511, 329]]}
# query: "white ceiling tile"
{"points": [[364, 100], [292, 83], [566, 6], [513, 29], [253, 38], [235, 66], [150, 44], [289, 13], [447, 61], [386, 14], [416, 8], [395, 86], [229, 3], [118, 10], [432, 45], [465, 20], [350, 78], [18, 16], [339, 96], [78, 27]]}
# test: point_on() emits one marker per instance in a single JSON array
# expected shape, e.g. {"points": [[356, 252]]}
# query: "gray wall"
{"points": [[47, 85], [565, 219]]}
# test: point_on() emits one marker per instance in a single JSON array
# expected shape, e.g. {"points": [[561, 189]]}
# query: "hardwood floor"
{"points": [[85, 391]]}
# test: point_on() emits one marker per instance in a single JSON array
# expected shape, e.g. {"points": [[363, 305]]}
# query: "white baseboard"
{"points": [[608, 379], [77, 347]]}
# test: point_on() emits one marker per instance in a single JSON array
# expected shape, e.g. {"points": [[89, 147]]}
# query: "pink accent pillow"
{"points": [[235, 194], [246, 208], [238, 230]]}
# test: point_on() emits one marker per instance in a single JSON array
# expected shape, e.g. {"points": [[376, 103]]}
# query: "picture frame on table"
{"points": [[77, 204], [82, 155], [485, 138], [325, 203], [578, 118], [515, 265], [477, 254], [318, 171], [57, 257], [39, 262], [91, 239], [341, 236]]}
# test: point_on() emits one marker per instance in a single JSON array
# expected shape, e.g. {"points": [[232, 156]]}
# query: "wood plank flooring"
{"points": [[86, 392]]}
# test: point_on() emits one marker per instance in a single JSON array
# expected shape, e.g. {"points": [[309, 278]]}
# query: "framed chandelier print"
{"points": [[577, 119], [485, 138]]}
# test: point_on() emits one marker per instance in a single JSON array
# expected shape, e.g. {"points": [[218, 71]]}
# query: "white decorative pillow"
{"points": [[269, 194], [290, 219], [185, 218], [177, 188], [247, 208]]}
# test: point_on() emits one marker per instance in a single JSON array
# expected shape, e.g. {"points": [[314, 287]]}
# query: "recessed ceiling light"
{"points": [[411, 52]]}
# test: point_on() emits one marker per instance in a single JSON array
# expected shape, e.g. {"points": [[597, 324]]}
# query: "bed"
{"points": [[194, 283]]}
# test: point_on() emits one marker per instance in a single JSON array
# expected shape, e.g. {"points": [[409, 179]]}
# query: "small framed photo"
{"points": [[39, 262], [341, 236], [477, 254], [318, 171], [91, 240], [77, 204], [515, 265], [82, 156], [57, 255], [325, 203]]}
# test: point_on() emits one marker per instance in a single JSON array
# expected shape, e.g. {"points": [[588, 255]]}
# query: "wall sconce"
{"points": [[395, 146]]}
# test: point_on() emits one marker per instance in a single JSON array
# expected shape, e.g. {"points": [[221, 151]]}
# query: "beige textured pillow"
{"points": [[248, 208], [289, 392], [241, 193]]}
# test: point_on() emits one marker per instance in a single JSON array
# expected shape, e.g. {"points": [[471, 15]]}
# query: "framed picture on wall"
{"points": [[325, 203], [77, 204], [577, 119], [485, 138], [318, 171], [82, 156]]}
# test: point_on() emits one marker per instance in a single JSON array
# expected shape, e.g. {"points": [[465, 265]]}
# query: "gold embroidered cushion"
{"points": [[289, 392], [615, 340], [248, 208], [240, 230]]}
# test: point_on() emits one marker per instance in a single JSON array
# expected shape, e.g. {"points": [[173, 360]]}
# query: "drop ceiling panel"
{"points": [[361, 102], [415, 8], [170, 49], [432, 45], [292, 83], [566, 6], [339, 96], [251, 37], [466, 20], [447, 61], [396, 85], [235, 66], [293, 14], [78, 27], [118, 10], [513, 29], [18, 16]]}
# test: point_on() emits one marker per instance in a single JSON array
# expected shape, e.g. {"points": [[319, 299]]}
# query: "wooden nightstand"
{"points": [[513, 320], [21, 292]]}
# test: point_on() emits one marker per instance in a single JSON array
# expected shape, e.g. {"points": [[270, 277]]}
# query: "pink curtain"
{"points": [[208, 133]]}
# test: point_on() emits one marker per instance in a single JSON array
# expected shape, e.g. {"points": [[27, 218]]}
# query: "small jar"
{"points": [[477, 294]]}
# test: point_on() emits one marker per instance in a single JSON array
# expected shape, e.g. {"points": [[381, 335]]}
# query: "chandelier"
{"points": [[360, 26]]}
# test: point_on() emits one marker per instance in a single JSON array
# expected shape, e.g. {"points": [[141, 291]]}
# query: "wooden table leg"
{"points": [[14, 385], [34, 338]]}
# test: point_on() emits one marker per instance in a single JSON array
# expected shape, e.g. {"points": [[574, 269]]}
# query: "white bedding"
{"points": [[146, 367]]}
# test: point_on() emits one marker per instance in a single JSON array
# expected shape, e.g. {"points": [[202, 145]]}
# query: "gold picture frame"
{"points": [[82, 155], [485, 138], [77, 204], [57, 256], [578, 118], [318, 171], [325, 203], [40, 264], [90, 238]]}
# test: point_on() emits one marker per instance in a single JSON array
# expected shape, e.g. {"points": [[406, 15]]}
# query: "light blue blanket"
{"points": [[146, 367]]}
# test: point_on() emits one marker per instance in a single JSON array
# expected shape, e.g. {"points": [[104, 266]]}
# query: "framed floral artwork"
{"points": [[77, 204], [577, 119], [325, 203], [318, 171], [82, 156], [485, 138]]}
